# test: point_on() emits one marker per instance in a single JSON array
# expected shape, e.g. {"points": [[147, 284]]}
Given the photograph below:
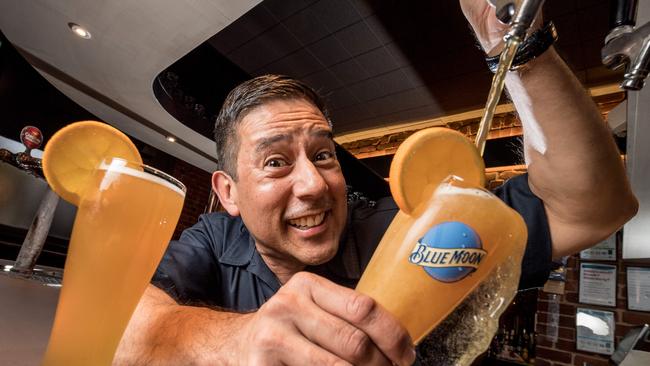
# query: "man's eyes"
{"points": [[324, 155], [276, 163], [321, 157]]}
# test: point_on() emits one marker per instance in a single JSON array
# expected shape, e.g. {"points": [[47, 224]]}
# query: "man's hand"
{"points": [[489, 31], [312, 321]]}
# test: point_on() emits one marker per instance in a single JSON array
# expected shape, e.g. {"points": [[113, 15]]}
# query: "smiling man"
{"points": [[287, 163], [270, 281]]}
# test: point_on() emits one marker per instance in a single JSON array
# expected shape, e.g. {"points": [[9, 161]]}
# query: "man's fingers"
{"points": [[277, 341], [302, 352], [362, 312], [339, 337], [288, 347]]}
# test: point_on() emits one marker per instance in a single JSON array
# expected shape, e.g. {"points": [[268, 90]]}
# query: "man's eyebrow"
{"points": [[265, 142], [322, 133]]}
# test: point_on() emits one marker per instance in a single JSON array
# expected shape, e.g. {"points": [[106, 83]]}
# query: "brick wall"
{"points": [[198, 186], [562, 351], [503, 125], [388, 144], [494, 177]]}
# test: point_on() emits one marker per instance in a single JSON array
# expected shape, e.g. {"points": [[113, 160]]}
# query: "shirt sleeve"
{"points": [[188, 269], [537, 261]]}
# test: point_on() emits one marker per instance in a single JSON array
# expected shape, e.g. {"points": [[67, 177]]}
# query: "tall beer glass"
{"points": [[124, 222], [427, 262]]}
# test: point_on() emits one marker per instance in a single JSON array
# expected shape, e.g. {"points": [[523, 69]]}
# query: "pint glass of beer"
{"points": [[428, 262], [124, 222]]}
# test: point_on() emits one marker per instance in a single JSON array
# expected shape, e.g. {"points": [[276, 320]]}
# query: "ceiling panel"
{"points": [[358, 38], [340, 99], [282, 9], [350, 71], [298, 64], [377, 61], [366, 90], [393, 82], [323, 81], [329, 51], [336, 14], [306, 26]]}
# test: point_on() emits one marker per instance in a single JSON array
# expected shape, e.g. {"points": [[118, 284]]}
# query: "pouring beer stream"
{"points": [[527, 10]]}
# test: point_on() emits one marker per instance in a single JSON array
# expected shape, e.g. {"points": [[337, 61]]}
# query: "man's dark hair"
{"points": [[246, 97]]}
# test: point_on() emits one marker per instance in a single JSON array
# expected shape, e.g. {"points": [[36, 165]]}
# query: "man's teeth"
{"points": [[308, 221]]}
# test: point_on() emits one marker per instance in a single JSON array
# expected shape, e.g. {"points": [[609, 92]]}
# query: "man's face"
{"points": [[290, 189]]}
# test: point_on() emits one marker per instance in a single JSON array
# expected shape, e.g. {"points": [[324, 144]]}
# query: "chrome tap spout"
{"points": [[519, 14], [626, 45]]}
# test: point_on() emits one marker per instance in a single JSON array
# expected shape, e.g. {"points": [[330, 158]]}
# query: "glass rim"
{"points": [[455, 180], [149, 170]]}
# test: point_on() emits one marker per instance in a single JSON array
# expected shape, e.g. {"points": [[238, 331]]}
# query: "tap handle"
{"points": [[523, 19], [622, 12], [505, 9]]}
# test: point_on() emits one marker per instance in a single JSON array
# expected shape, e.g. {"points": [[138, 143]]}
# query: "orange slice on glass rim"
{"points": [[426, 158], [76, 150]]}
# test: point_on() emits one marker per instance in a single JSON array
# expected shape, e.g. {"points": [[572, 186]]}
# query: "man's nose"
{"points": [[309, 182]]}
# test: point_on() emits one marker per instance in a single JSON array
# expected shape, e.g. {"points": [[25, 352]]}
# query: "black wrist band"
{"points": [[536, 44]]}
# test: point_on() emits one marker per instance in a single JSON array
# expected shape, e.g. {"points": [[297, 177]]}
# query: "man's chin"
{"points": [[317, 256]]}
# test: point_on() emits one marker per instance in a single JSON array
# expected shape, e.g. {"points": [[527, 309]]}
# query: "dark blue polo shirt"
{"points": [[215, 262]]}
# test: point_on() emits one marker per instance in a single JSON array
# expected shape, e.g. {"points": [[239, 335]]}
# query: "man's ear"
{"points": [[226, 190]]}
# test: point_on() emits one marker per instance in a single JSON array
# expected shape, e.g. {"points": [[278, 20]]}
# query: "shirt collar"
{"points": [[241, 252]]}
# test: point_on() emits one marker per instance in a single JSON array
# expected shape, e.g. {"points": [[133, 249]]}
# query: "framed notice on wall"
{"points": [[598, 284], [604, 251], [638, 288], [595, 331]]}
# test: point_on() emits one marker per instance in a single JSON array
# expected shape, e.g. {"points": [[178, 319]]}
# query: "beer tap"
{"points": [[34, 241], [627, 45], [519, 14], [32, 138]]}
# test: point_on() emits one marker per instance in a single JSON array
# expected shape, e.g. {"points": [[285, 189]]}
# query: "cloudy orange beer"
{"points": [[124, 221], [429, 261]]}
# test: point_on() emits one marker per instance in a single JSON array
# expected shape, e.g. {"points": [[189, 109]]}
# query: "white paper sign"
{"points": [[595, 331], [605, 250], [598, 284], [638, 288]]}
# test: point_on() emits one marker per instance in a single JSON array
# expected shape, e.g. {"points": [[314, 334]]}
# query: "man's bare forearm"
{"points": [[310, 321], [161, 332], [573, 163]]}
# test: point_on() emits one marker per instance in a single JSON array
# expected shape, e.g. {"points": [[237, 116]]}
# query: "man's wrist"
{"points": [[550, 57], [533, 46]]}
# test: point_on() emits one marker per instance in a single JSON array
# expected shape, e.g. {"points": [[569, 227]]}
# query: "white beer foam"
{"points": [[118, 167], [447, 189]]}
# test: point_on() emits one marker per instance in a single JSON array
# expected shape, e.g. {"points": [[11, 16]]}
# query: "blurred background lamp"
{"points": [[79, 30]]}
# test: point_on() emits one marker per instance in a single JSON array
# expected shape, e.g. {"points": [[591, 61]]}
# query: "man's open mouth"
{"points": [[307, 222]]}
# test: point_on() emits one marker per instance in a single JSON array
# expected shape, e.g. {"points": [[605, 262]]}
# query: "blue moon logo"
{"points": [[449, 251]]}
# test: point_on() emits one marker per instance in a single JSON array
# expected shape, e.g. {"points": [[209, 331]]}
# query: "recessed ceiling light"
{"points": [[79, 30], [171, 138]]}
